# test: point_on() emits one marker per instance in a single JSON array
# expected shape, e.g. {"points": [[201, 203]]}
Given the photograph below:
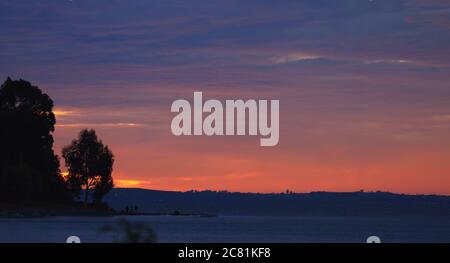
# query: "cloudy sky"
{"points": [[364, 87]]}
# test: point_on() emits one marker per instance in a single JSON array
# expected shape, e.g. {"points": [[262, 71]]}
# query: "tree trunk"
{"points": [[86, 195]]}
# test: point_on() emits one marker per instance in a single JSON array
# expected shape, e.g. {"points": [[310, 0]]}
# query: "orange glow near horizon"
{"points": [[402, 176], [123, 183], [385, 152]]}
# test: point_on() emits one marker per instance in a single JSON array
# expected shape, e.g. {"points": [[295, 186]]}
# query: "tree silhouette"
{"points": [[29, 169], [90, 166], [105, 185]]}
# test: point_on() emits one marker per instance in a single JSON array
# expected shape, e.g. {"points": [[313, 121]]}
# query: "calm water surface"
{"points": [[234, 229]]}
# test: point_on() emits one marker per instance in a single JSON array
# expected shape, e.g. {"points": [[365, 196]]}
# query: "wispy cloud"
{"points": [[100, 125], [293, 57], [445, 117], [124, 183], [389, 61]]}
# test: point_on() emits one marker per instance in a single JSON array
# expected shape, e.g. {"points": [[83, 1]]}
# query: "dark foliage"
{"points": [[29, 169], [90, 166]]}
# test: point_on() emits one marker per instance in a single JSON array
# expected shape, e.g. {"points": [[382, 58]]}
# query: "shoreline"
{"points": [[46, 209], [77, 210], [90, 214]]}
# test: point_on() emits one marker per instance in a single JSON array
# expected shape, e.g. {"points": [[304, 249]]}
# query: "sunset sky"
{"points": [[364, 87]]}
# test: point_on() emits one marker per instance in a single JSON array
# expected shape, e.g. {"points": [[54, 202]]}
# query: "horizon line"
{"points": [[283, 192]]}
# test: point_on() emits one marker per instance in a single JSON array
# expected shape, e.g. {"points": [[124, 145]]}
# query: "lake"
{"points": [[185, 229]]}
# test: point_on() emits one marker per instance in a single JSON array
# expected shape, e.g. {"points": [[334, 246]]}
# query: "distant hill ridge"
{"points": [[307, 204]]}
